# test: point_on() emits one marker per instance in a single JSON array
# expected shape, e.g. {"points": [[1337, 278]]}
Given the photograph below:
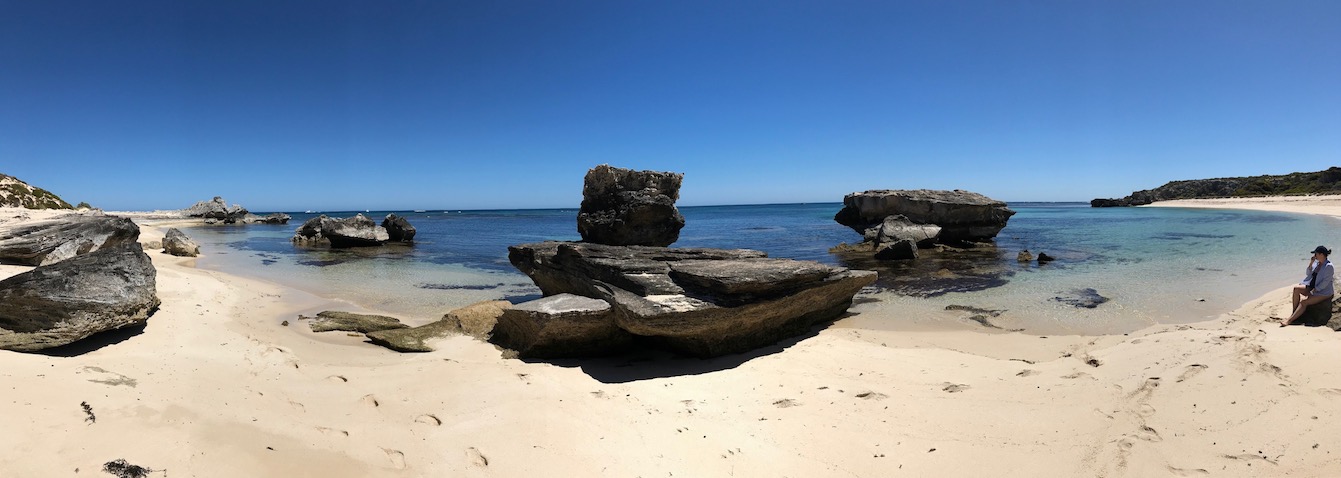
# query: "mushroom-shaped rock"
{"points": [[563, 325], [626, 207], [176, 243], [962, 215], [61, 303]]}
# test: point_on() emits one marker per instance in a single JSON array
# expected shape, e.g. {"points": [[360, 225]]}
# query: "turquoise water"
{"points": [[1157, 265]]}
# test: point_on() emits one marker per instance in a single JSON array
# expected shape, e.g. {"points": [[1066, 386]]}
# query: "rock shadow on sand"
{"points": [[94, 342]]}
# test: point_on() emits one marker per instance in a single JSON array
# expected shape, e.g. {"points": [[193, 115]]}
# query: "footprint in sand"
{"points": [[115, 379], [1027, 373], [1191, 371], [786, 403], [332, 432], [428, 419], [370, 400], [1078, 375], [298, 406], [954, 387], [475, 458], [1330, 391], [397, 458], [337, 378], [1187, 471], [869, 395]]}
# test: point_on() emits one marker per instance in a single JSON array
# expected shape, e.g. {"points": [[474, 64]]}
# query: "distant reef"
{"points": [[16, 193], [1293, 184]]}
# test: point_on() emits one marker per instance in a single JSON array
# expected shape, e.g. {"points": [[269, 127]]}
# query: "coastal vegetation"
{"points": [[1294, 184], [16, 193]]}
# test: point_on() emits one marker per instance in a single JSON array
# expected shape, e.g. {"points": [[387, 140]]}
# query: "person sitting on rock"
{"points": [[1315, 288]]}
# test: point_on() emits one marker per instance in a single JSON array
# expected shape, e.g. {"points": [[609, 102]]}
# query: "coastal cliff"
{"points": [[16, 193], [1293, 184]]}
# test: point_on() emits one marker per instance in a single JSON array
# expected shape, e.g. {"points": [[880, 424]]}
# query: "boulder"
{"points": [[563, 325], [1044, 258], [177, 244], [961, 215], [703, 302], [902, 249], [1087, 298], [897, 228], [332, 320], [476, 320], [48, 242], [398, 228], [357, 231], [218, 210], [272, 218], [57, 304], [626, 207], [1024, 256]]}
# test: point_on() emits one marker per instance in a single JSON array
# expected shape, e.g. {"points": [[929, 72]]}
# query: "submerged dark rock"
{"points": [[398, 228], [626, 207], [61, 303], [48, 242], [1087, 298]]}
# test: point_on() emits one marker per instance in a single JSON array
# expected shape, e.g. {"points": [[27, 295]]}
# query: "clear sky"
{"points": [[335, 105]]}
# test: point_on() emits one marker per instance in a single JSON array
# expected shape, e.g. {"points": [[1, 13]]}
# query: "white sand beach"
{"points": [[217, 386]]}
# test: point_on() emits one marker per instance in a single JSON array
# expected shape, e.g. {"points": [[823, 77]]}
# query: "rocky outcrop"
{"points": [[60, 303], [272, 218], [703, 302], [49, 242], [217, 210], [563, 325], [16, 193], [1320, 182], [333, 320], [357, 231], [177, 244], [624, 207], [961, 215], [398, 228], [476, 320]]}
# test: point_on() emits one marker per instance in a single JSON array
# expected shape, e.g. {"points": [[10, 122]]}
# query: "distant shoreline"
{"points": [[1325, 205]]}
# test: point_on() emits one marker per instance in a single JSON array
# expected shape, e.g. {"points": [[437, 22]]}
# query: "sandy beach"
{"points": [[217, 385]]}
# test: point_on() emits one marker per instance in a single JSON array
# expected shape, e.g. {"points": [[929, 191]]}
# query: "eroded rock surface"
{"points": [[961, 215], [332, 320], [398, 228], [357, 231], [476, 320], [626, 207], [217, 210], [563, 325], [49, 242], [177, 244]]}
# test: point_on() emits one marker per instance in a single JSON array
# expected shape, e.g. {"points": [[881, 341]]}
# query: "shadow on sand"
{"points": [[95, 342]]}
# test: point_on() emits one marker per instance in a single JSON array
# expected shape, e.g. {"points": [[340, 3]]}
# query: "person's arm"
{"points": [[1326, 273]]}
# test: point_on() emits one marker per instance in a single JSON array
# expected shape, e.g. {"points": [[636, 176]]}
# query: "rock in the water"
{"points": [[218, 210], [899, 228], [398, 228], [1024, 256], [350, 322], [48, 242], [272, 218], [177, 244], [1044, 258], [476, 320], [563, 325], [357, 231], [1087, 298], [704, 302], [902, 249], [962, 215], [61, 303], [626, 207]]}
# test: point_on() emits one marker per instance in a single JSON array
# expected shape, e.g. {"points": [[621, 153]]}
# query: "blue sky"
{"points": [[503, 104]]}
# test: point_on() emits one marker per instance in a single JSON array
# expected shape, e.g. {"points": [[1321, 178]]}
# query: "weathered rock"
{"points": [[177, 244], [272, 218], [1044, 258], [48, 242], [703, 302], [218, 210], [1024, 256], [902, 249], [332, 320], [398, 228], [357, 231], [962, 215], [626, 207], [1087, 298], [898, 228], [563, 325], [476, 320], [61, 303]]}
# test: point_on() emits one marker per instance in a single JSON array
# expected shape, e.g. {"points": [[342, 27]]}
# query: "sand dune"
{"points": [[215, 385]]}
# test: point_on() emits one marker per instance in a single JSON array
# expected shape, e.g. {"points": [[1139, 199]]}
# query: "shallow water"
{"points": [[1155, 265]]}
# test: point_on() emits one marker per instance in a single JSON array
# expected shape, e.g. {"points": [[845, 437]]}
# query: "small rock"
{"points": [[1024, 256], [1044, 258], [351, 322]]}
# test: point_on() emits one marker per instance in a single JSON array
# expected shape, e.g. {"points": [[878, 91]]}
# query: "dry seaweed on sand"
{"points": [[123, 469]]}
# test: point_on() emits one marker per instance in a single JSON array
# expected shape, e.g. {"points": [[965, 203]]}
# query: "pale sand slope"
{"points": [[215, 386], [1329, 205]]}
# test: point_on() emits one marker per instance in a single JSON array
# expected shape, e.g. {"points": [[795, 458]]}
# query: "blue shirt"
{"points": [[1323, 285]]}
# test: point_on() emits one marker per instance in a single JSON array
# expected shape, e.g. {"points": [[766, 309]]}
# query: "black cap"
{"points": [[1322, 250]]}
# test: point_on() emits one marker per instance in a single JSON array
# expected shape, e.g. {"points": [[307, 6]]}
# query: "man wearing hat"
{"points": [[1316, 286]]}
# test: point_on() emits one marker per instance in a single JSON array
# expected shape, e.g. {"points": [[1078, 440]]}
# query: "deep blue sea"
{"points": [[1156, 265]]}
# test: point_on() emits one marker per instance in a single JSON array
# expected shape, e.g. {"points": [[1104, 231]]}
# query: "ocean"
{"points": [[1155, 265]]}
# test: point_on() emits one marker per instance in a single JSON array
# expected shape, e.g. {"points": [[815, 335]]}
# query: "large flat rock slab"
{"points": [[48, 242], [961, 215], [563, 325]]}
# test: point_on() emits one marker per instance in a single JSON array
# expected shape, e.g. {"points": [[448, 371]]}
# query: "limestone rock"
{"points": [[704, 302], [350, 322], [1044, 258], [898, 228], [48, 242], [903, 249], [57, 304], [476, 320], [1087, 298], [177, 244], [357, 231], [563, 325], [272, 218], [626, 207], [218, 210], [962, 215], [398, 228], [1024, 256]]}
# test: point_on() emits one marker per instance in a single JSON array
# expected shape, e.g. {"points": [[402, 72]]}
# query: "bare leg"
{"points": [[1300, 291], [1303, 305]]}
